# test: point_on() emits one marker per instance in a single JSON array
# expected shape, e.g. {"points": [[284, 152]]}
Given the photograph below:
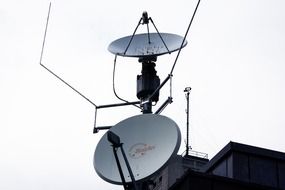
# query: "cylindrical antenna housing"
{"points": [[148, 81]]}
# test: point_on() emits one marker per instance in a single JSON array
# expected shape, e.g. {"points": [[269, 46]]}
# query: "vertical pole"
{"points": [[147, 107], [187, 90], [187, 124]]}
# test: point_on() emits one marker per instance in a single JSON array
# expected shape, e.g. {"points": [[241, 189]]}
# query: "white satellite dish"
{"points": [[145, 45], [149, 142]]}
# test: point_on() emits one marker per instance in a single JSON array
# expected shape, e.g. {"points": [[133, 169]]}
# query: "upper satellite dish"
{"points": [[149, 141], [145, 45]]}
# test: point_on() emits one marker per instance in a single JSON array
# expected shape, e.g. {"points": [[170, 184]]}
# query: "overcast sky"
{"points": [[234, 62]]}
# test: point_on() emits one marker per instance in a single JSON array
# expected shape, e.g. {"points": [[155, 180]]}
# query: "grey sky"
{"points": [[234, 62]]}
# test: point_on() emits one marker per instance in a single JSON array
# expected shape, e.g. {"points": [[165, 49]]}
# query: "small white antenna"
{"points": [[187, 90]]}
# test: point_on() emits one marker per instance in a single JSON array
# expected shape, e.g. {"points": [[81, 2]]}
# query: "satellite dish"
{"points": [[149, 142], [147, 44]]}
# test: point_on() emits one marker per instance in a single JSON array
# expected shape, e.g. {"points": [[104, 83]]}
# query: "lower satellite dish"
{"points": [[149, 142]]}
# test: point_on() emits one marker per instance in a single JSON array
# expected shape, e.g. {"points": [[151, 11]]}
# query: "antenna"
{"points": [[96, 129], [187, 90], [147, 47], [147, 152], [50, 71], [44, 40]]}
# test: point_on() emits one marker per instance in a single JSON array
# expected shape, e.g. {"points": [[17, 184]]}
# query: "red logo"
{"points": [[140, 149]]}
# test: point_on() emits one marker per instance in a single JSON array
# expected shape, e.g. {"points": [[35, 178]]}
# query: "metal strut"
{"points": [[169, 77], [185, 37], [116, 143], [145, 20]]}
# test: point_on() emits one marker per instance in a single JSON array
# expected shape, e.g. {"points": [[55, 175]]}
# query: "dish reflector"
{"points": [[140, 46], [149, 141]]}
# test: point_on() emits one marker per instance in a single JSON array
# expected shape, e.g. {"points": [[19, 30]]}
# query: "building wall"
{"points": [[200, 181], [252, 168]]}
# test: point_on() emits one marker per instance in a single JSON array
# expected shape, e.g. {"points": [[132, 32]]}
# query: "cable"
{"points": [[114, 89]]}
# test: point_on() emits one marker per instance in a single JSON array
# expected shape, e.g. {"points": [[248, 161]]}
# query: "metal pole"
{"points": [[117, 105], [119, 167], [187, 124], [187, 90], [184, 37], [168, 101]]}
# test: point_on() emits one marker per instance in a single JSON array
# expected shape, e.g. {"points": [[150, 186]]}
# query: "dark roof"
{"points": [[243, 148], [203, 181], [209, 180]]}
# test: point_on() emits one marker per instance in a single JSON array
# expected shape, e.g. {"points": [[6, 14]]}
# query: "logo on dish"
{"points": [[140, 149]]}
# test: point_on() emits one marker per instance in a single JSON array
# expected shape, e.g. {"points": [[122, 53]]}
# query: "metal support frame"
{"points": [[119, 167], [143, 103], [97, 129], [161, 108], [115, 140], [117, 105], [145, 20]]}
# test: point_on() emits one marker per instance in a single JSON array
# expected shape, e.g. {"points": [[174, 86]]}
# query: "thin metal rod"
{"points": [[95, 120], [161, 108], [132, 37], [187, 124], [119, 104], [148, 33], [69, 85], [129, 168], [44, 40], [159, 35], [185, 37], [104, 127], [97, 129], [45, 34], [170, 87], [119, 168]]}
